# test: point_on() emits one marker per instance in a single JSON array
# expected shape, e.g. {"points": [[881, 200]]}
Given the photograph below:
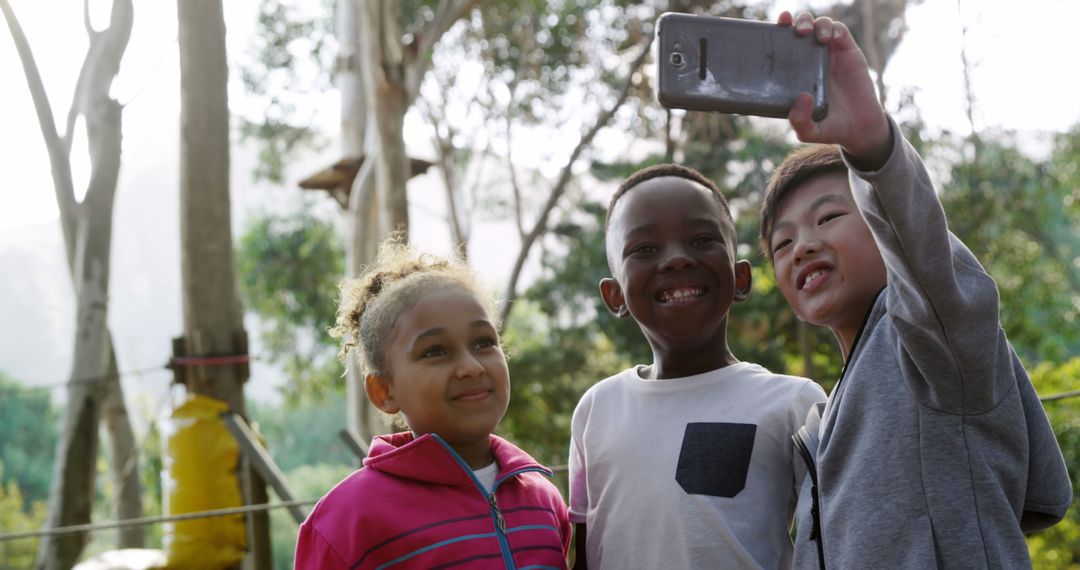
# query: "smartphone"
{"points": [[707, 63]]}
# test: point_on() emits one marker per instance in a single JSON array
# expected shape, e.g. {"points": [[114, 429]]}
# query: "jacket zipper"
{"points": [[493, 505], [815, 507], [500, 521]]}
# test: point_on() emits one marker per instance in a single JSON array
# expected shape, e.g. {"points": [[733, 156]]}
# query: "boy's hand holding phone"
{"points": [[821, 84], [733, 65], [855, 120]]}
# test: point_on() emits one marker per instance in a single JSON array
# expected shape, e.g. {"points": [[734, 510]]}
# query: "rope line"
{"points": [[174, 362], [1061, 396], [146, 521], [79, 381]]}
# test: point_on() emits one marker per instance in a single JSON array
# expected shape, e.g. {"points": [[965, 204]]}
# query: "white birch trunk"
{"points": [[362, 418], [386, 82], [87, 229]]}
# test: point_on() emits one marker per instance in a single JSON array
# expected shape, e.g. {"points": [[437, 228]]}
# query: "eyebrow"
{"points": [[827, 198], [831, 198], [436, 331]]}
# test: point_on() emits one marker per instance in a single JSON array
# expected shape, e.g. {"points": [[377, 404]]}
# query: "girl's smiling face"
{"points": [[446, 372]]}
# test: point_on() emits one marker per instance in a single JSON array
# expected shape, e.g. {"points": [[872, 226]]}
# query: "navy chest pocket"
{"points": [[715, 458]]}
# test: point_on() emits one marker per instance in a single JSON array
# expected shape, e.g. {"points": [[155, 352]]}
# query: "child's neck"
{"points": [[680, 365], [476, 455]]}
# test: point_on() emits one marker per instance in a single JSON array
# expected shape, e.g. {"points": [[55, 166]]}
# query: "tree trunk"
{"points": [[354, 107], [390, 75], [382, 67], [213, 315], [74, 473], [124, 464], [87, 229], [363, 418], [362, 227], [872, 43]]}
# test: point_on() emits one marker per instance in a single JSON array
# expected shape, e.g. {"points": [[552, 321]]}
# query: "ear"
{"points": [[744, 279], [613, 297], [378, 391]]}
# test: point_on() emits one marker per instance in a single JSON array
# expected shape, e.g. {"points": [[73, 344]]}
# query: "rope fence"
{"points": [[146, 521], [173, 363], [1061, 396]]}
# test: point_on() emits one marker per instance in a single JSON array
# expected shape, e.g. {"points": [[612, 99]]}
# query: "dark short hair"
{"points": [[676, 170], [798, 167]]}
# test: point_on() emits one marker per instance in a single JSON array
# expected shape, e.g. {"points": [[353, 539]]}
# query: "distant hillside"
{"points": [[36, 305]]}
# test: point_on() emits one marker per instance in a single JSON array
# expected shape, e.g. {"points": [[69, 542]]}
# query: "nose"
{"points": [[469, 366], [676, 258], [807, 245]]}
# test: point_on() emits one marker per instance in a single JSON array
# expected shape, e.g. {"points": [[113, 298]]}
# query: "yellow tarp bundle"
{"points": [[199, 473]]}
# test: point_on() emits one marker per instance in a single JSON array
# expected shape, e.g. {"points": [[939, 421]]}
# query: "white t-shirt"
{"points": [[487, 475], [695, 472]]}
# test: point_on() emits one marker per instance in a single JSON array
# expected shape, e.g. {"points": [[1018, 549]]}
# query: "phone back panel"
{"points": [[708, 63]]}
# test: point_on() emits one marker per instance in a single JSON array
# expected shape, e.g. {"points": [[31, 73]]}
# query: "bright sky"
{"points": [[1020, 54]]}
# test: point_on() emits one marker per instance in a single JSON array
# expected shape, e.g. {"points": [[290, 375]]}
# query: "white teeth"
{"points": [[681, 294], [812, 275]]}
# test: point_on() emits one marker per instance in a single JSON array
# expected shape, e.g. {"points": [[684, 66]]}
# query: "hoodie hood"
{"points": [[430, 459]]}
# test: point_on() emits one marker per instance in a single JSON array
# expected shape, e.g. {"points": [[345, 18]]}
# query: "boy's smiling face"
{"points": [[671, 252], [827, 263]]}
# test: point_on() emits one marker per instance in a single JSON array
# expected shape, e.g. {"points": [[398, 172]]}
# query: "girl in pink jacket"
{"points": [[446, 493]]}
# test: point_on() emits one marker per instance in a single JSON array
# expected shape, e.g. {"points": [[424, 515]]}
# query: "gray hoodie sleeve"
{"points": [[942, 303], [944, 307]]}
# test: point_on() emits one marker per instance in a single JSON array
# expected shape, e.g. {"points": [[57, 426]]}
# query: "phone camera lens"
{"points": [[677, 59]]}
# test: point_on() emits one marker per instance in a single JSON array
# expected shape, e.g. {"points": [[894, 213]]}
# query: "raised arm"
{"points": [[943, 304]]}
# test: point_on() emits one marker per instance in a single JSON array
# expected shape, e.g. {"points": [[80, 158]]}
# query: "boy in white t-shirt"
{"points": [[687, 462]]}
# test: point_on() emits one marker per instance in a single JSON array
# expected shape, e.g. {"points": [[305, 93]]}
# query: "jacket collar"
{"points": [[430, 459]]}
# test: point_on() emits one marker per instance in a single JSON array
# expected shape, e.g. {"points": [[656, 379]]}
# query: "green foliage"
{"points": [[150, 466], [303, 440], [1059, 546], [550, 368], [569, 294], [15, 517], [290, 59], [308, 482], [305, 433], [535, 42], [28, 422], [1015, 213], [289, 267], [561, 340]]}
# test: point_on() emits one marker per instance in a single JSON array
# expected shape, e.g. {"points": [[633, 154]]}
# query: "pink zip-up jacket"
{"points": [[417, 504]]}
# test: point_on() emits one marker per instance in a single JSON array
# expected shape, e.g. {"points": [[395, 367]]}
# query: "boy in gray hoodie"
{"points": [[933, 450]]}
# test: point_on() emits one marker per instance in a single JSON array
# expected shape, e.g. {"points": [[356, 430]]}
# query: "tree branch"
{"points": [[59, 153], [446, 14], [519, 222], [560, 186], [391, 54], [444, 148], [86, 19]]}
